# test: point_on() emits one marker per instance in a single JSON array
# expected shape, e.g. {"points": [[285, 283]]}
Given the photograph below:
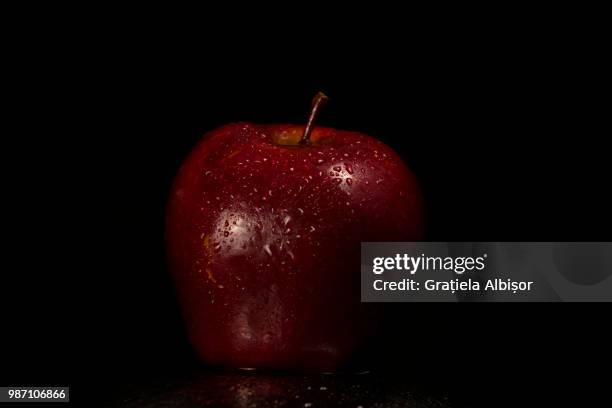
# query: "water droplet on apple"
{"points": [[267, 249]]}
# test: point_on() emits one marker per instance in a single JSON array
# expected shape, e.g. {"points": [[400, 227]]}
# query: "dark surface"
{"points": [[244, 390]]}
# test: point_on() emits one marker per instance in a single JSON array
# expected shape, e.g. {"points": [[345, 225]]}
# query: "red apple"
{"points": [[264, 226]]}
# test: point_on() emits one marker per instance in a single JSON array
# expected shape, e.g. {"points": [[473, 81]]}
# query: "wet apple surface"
{"points": [[264, 234]]}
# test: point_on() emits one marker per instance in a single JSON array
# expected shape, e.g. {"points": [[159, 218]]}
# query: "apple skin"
{"points": [[263, 239]]}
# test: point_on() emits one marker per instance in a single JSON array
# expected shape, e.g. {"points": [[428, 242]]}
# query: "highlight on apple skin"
{"points": [[263, 231]]}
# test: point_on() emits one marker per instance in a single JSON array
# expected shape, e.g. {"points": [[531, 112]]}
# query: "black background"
{"points": [[505, 129]]}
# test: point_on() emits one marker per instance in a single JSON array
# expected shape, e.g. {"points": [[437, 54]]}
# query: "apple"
{"points": [[263, 230]]}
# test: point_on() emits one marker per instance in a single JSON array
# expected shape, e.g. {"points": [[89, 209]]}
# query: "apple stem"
{"points": [[319, 99]]}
